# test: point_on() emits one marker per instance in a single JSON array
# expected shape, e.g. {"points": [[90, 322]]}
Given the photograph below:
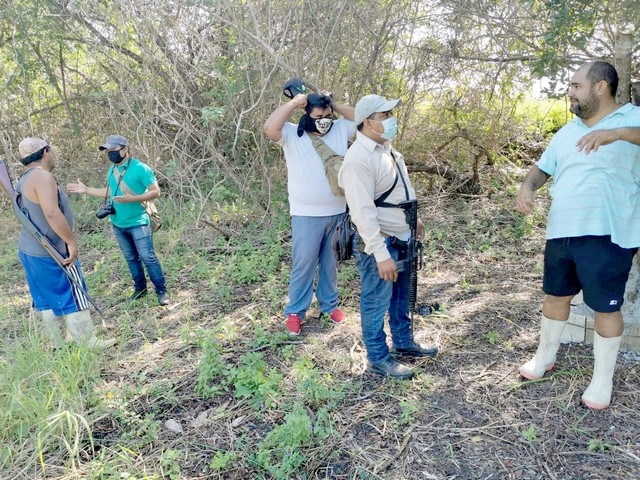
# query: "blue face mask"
{"points": [[114, 156], [390, 126]]}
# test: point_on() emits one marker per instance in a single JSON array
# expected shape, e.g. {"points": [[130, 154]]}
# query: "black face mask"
{"points": [[115, 157]]}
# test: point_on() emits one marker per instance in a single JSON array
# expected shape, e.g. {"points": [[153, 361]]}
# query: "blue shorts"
{"points": [[592, 264], [50, 287]]}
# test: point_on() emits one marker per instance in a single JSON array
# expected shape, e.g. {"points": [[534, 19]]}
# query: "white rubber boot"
{"points": [[545, 358], [81, 327], [605, 353], [55, 327]]}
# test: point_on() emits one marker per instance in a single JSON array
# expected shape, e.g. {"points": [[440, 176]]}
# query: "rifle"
{"points": [[414, 259], [23, 217]]}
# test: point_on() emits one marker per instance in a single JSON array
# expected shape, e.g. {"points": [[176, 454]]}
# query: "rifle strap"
{"points": [[380, 201]]}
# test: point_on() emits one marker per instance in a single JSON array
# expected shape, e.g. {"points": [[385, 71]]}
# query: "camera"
{"points": [[105, 211]]}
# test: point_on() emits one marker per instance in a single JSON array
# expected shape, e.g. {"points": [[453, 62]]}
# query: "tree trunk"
{"points": [[635, 93], [622, 62]]}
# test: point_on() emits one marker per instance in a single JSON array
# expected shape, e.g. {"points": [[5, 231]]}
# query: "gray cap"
{"points": [[370, 104], [114, 141]]}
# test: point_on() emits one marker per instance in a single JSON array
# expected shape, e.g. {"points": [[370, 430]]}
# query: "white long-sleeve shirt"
{"points": [[367, 172]]}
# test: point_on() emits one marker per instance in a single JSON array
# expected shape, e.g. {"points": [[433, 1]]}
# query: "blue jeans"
{"points": [[312, 251], [378, 297], [136, 244]]}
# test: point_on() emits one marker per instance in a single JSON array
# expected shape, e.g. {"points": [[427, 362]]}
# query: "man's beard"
{"points": [[587, 108]]}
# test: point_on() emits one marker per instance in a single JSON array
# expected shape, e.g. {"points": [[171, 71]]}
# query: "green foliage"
{"points": [[530, 433], [222, 460], [170, 466], [213, 372], [542, 117], [254, 379], [598, 445], [569, 24], [315, 387], [407, 410], [252, 263], [280, 452], [493, 337], [263, 338]]}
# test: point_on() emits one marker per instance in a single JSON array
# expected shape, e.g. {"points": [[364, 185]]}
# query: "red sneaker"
{"points": [[293, 324], [337, 316]]}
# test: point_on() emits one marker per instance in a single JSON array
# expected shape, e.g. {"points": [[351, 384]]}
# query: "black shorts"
{"points": [[592, 264]]}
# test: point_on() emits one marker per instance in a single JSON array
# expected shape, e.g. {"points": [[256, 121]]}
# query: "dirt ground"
{"points": [[467, 415]]}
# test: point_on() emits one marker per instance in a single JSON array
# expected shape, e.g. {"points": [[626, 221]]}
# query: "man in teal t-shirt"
{"points": [[593, 227], [130, 183]]}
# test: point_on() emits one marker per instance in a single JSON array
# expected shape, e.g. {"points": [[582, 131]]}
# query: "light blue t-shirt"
{"points": [[596, 193]]}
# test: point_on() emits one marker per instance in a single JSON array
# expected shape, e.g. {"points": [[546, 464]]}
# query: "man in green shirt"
{"points": [[130, 183]]}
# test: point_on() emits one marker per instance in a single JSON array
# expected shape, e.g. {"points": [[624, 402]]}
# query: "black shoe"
{"points": [[138, 294], [391, 367], [416, 350], [163, 299]]}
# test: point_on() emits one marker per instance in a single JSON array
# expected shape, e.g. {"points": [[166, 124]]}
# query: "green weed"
{"points": [[407, 409], [598, 445], [222, 460], [170, 465], [530, 433], [280, 452], [42, 406], [256, 381], [493, 337], [314, 386], [213, 371]]}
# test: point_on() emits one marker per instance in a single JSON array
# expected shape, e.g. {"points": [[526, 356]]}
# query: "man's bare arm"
{"points": [[535, 179], [591, 141]]}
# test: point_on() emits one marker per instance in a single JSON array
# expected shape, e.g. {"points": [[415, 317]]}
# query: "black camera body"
{"points": [[106, 210]]}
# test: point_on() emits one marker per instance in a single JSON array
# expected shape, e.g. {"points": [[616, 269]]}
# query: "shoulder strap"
{"points": [[380, 201], [324, 150]]}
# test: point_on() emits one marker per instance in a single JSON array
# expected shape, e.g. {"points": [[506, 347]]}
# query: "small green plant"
{"points": [[407, 409], [312, 384], [280, 452], [529, 433], [170, 465], [42, 402], [221, 460], [598, 445], [253, 379], [253, 263], [68, 426], [213, 371], [493, 337]]}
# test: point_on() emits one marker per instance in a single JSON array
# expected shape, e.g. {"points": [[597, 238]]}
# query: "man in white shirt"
{"points": [[372, 169], [315, 209]]}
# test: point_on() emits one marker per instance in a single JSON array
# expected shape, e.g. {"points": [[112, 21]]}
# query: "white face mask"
{"points": [[323, 125]]}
